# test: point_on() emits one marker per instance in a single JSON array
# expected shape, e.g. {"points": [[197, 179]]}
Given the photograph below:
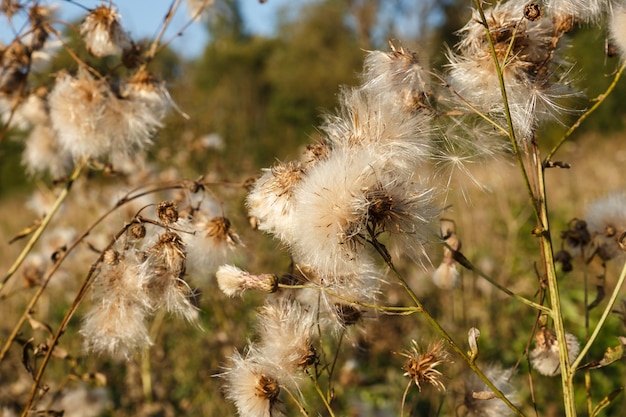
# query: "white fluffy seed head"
{"points": [[285, 330], [116, 324], [271, 199], [545, 355], [587, 11], [102, 32], [606, 222], [234, 281], [617, 28], [250, 385]]}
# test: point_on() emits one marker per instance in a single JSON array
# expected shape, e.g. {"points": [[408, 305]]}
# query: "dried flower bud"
{"points": [[138, 231], [472, 338], [167, 212], [112, 257], [348, 314], [532, 12], [421, 366]]}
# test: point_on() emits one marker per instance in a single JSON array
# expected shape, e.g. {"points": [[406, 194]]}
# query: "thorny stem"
{"points": [[44, 224], [442, 332], [605, 315], [598, 101]]}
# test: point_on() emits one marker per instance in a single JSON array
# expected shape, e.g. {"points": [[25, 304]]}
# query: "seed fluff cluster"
{"points": [[150, 268], [535, 75]]}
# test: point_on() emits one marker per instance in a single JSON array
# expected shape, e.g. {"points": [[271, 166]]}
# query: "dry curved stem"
{"points": [[598, 101], [42, 226], [166, 22], [461, 259]]}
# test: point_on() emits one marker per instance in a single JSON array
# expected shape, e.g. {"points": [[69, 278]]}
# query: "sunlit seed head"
{"points": [[102, 32], [234, 281], [271, 199], [617, 28]]}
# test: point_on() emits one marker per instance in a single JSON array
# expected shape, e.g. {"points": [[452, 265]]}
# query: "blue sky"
{"points": [[143, 17]]}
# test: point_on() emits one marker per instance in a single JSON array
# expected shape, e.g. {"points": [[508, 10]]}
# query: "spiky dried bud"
{"points": [[577, 234], [102, 32], [167, 211], [421, 366], [348, 314], [545, 356], [138, 231], [112, 257], [532, 12]]}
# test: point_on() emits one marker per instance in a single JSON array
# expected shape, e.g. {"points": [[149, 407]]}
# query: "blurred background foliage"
{"points": [[254, 99]]}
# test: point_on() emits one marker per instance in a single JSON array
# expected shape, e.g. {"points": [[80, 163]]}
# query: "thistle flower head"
{"points": [[421, 366], [545, 355], [102, 32]]}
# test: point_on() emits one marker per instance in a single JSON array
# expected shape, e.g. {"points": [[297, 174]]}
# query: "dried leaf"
{"points": [[606, 401], [483, 395], [612, 355], [38, 325], [26, 231], [28, 346]]}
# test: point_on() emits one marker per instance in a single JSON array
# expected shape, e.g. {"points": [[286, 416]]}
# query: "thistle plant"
{"points": [[363, 215]]}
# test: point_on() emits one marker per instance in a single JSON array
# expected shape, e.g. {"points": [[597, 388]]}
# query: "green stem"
{"points": [[605, 315], [44, 224], [505, 102], [555, 298]]}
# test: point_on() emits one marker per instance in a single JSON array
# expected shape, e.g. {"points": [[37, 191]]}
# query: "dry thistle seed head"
{"points": [[545, 356], [234, 281], [271, 200], [617, 29], [565, 259], [167, 211], [532, 12], [102, 32], [348, 314], [421, 366], [170, 252]]}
